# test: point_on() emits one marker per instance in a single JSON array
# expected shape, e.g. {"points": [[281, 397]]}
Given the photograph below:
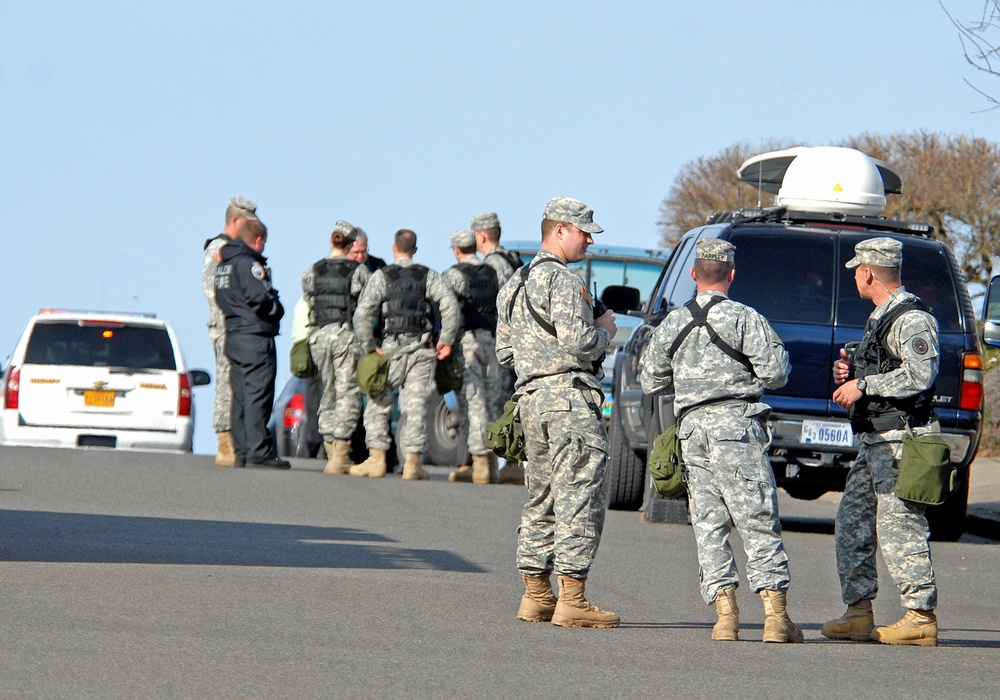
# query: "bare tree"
{"points": [[980, 37]]}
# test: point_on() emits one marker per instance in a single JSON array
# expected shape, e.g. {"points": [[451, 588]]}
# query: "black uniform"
{"points": [[252, 311]]}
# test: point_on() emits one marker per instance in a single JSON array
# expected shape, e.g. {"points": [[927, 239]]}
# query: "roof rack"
{"points": [[782, 215], [135, 314]]}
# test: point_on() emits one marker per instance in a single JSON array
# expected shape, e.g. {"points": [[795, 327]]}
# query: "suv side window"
{"points": [[679, 271], [787, 277]]}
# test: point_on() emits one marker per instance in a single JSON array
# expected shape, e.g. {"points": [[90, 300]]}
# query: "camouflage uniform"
{"points": [[566, 443], [335, 351], [724, 438], [870, 515], [412, 361], [221, 413]]}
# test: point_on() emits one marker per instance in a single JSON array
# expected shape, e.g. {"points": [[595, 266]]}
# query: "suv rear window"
{"points": [[100, 345]]}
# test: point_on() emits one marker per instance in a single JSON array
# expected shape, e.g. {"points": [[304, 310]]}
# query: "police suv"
{"points": [[790, 267]]}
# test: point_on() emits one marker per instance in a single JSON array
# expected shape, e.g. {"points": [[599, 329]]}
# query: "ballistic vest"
{"points": [[880, 413], [406, 310], [479, 307], [331, 299]]}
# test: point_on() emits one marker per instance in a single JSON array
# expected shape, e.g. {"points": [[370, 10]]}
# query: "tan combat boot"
{"points": [[778, 627], [512, 473], [412, 471], [917, 628], [483, 471], [574, 610], [727, 629], [338, 457], [462, 473], [855, 624], [373, 467], [538, 602], [226, 456]]}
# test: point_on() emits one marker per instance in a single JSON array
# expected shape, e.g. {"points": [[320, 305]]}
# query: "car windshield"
{"points": [[91, 344], [631, 273]]}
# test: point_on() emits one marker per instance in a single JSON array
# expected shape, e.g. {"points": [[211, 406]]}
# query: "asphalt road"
{"points": [[137, 575]]}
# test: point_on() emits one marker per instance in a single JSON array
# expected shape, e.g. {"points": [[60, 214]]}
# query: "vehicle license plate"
{"points": [[818, 432], [93, 397]]}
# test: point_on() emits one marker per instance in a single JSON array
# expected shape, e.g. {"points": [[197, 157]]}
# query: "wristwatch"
{"points": [[862, 385]]}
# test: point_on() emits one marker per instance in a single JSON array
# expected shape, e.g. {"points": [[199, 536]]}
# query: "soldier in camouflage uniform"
{"points": [[403, 295], [486, 228], [331, 286], [547, 333], [239, 212], [887, 385], [717, 383], [475, 286]]}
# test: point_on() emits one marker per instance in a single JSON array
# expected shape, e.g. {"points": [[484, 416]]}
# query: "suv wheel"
{"points": [[626, 471], [446, 442]]}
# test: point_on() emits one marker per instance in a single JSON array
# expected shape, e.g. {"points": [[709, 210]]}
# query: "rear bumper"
{"points": [[179, 441]]}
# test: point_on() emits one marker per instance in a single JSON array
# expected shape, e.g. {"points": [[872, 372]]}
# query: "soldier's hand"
{"points": [[443, 351], [607, 322], [842, 368], [847, 394], [379, 350]]}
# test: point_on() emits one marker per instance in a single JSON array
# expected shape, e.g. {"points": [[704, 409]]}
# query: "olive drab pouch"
{"points": [[665, 466], [301, 359], [373, 373], [449, 374], [504, 435], [926, 474]]}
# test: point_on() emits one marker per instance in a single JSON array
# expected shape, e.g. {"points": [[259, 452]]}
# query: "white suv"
{"points": [[94, 379]]}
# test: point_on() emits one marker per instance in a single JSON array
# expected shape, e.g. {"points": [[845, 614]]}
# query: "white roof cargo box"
{"points": [[823, 180]]}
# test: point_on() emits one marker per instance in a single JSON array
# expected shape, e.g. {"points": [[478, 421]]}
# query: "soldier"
{"points": [[331, 286], [547, 333], [239, 212], [403, 295], [486, 228], [252, 311], [476, 288], [717, 356], [887, 385]]}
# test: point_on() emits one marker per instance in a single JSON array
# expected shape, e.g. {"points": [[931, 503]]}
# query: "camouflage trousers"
{"points": [[870, 516], [730, 482], [222, 408], [335, 351], [565, 473], [411, 370], [476, 398]]}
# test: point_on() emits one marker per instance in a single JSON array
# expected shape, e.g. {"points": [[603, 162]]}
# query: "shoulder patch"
{"points": [[257, 270], [586, 295], [920, 346]]}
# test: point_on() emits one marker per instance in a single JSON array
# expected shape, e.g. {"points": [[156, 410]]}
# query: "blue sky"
{"points": [[126, 126]]}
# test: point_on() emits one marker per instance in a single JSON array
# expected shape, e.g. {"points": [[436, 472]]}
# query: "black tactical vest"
{"points": [[509, 255], [330, 298], [479, 308], [872, 356], [406, 310]]}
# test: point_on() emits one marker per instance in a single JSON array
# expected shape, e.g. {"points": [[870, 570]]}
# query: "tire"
{"points": [[947, 521], [626, 470], [805, 493], [447, 443]]}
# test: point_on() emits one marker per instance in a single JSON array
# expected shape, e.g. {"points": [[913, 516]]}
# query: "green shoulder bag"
{"points": [[665, 466], [926, 474], [504, 435]]}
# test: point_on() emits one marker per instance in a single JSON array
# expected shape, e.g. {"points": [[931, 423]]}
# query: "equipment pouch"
{"points": [[373, 373], [926, 474], [504, 435], [665, 465], [301, 359]]}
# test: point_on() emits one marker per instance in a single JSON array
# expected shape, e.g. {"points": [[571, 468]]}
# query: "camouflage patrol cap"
{"points": [[481, 222], [244, 206], [463, 238], [571, 211], [346, 230], [715, 249], [881, 252]]}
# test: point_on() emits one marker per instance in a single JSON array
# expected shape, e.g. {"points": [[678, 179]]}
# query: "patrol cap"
{"points": [[463, 238], [244, 206], [481, 222], [571, 211], [715, 249], [346, 230], [881, 252]]}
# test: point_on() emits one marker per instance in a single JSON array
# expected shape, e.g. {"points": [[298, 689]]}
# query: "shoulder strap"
{"points": [[524, 272], [699, 317]]}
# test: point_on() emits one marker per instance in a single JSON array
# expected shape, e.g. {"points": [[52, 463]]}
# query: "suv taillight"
{"points": [[971, 397], [295, 409], [12, 388], [184, 405]]}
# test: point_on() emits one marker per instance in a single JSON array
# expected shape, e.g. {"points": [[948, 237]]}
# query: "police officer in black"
{"points": [[252, 310]]}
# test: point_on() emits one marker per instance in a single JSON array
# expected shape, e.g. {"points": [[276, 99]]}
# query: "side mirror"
{"points": [[620, 299], [991, 314], [200, 377]]}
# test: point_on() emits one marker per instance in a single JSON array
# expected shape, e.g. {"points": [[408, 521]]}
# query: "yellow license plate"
{"points": [[105, 399]]}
